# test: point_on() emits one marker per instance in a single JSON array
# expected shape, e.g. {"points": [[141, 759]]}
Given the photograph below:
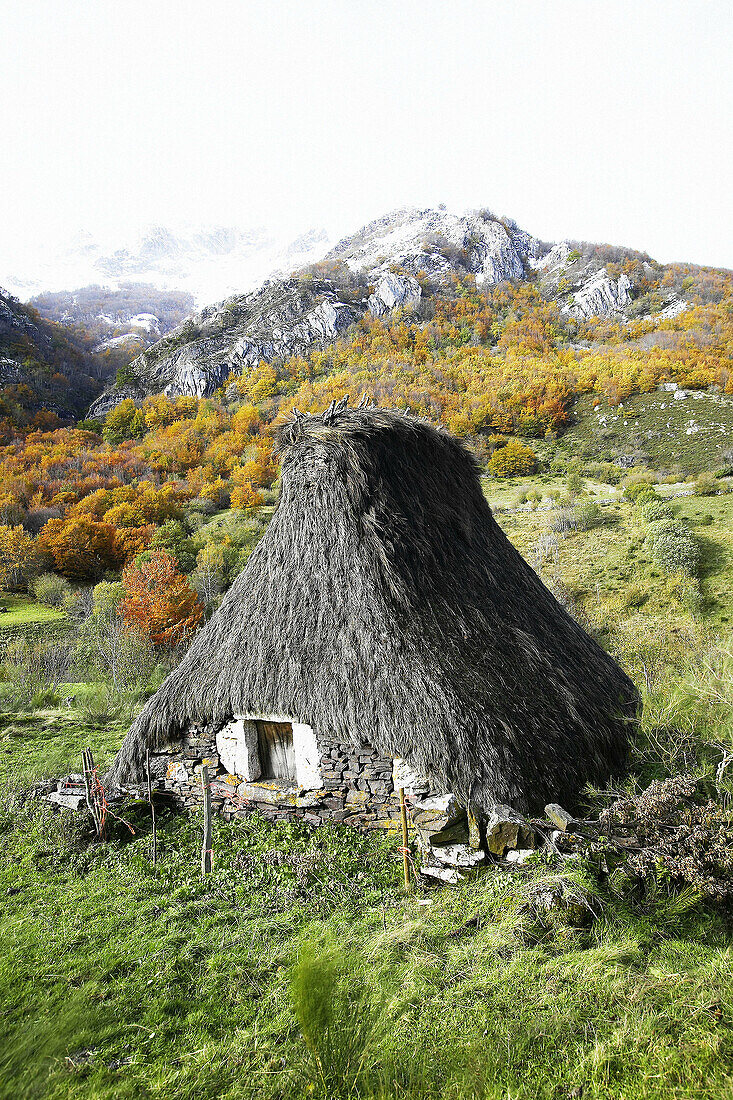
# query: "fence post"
{"points": [[405, 849], [206, 847], [152, 808], [94, 793]]}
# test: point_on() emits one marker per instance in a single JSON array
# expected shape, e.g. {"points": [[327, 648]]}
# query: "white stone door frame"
{"points": [[236, 744]]}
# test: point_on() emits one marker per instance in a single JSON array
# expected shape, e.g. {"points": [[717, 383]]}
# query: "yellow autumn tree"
{"points": [[19, 558], [512, 460]]}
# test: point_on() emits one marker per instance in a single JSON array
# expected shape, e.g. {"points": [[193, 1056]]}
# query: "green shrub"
{"points": [[173, 537], [33, 671], [673, 547], [106, 596], [563, 520], [687, 720], [575, 484], [79, 603], [587, 515], [607, 472], [637, 491], [99, 702], [344, 1034], [51, 589], [706, 485], [652, 509]]}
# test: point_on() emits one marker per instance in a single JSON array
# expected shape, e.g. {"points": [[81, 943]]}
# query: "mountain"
{"points": [[403, 260], [206, 262], [43, 369], [132, 317]]}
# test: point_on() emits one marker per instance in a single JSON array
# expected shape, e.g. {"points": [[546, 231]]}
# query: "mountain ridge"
{"points": [[398, 261], [206, 261]]}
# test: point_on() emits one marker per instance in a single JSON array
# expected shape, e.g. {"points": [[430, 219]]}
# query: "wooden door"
{"points": [[275, 746]]}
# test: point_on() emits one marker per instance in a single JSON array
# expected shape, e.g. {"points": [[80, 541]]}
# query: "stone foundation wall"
{"points": [[357, 786]]}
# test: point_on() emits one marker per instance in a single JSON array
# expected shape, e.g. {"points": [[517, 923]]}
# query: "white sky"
{"points": [[606, 120]]}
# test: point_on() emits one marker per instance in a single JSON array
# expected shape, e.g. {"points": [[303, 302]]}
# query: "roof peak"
{"points": [[339, 415]]}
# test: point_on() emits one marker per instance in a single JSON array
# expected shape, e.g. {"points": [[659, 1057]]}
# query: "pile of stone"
{"points": [[69, 792], [452, 843]]}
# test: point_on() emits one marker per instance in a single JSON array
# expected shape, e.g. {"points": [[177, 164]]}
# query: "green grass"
{"points": [[24, 611], [504, 492], [655, 425], [300, 969], [120, 980], [49, 743]]}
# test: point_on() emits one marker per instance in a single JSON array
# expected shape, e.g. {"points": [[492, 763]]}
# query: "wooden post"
{"points": [[85, 754], [92, 793], [152, 808], [405, 849], [206, 848]]}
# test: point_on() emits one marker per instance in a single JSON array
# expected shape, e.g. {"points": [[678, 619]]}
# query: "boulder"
{"points": [[432, 815], [506, 830]]}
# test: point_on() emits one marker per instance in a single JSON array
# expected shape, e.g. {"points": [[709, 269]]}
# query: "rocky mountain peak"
{"points": [[433, 242], [392, 262]]}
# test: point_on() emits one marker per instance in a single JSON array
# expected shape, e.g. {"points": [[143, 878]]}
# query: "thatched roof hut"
{"points": [[385, 605]]}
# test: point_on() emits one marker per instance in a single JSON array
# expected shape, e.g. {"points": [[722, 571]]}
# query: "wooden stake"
{"points": [[85, 754], [405, 849], [152, 808], [206, 848], [92, 793]]}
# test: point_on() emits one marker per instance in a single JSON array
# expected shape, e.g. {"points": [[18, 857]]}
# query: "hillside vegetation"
{"points": [[299, 967], [47, 375]]}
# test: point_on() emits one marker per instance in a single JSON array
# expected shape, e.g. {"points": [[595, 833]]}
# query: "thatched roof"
{"points": [[384, 604]]}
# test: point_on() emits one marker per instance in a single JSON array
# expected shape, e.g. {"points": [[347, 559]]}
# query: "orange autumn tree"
{"points": [[159, 601], [81, 548]]}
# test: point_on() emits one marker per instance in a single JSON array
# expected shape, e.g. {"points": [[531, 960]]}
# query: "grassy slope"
{"points": [[603, 564], [119, 980], [693, 433], [23, 611]]}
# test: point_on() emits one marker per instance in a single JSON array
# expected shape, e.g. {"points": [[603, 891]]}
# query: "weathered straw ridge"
{"points": [[385, 605]]}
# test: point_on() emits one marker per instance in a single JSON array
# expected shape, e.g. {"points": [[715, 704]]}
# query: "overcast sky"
{"points": [[592, 119]]}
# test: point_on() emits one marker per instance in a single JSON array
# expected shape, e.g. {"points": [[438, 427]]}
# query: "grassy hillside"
{"points": [[687, 433], [609, 571], [299, 968], [19, 611]]}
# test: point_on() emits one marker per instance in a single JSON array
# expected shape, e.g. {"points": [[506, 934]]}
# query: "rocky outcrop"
{"points": [[281, 319], [393, 291], [600, 296], [437, 243], [586, 279]]}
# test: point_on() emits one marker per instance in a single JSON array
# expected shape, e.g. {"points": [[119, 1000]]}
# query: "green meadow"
{"points": [[301, 968]]}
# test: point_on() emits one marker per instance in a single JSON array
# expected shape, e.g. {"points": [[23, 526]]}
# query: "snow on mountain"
{"points": [[210, 262], [430, 241]]}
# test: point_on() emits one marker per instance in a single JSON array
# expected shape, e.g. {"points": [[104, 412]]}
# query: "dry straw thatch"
{"points": [[385, 605]]}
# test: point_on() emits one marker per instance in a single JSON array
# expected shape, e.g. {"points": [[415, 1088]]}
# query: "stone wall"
{"points": [[357, 785]]}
